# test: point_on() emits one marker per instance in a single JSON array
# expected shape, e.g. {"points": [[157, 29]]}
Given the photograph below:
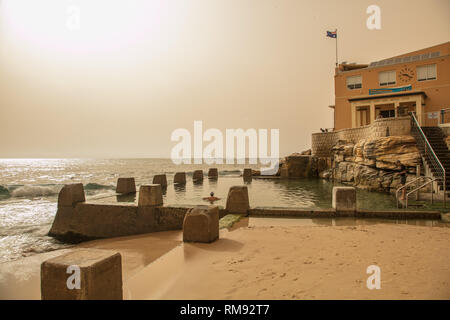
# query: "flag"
{"points": [[332, 34]]}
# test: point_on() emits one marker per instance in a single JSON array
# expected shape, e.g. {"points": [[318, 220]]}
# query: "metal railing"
{"points": [[428, 153], [420, 187], [406, 185]]}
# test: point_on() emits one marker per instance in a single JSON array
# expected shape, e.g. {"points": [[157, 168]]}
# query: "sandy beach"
{"points": [[269, 259]]}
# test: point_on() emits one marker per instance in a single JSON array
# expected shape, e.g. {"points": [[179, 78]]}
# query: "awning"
{"points": [[375, 97]]}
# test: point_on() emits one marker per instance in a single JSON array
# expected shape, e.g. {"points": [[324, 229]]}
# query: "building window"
{"points": [[354, 82], [427, 72], [387, 78]]}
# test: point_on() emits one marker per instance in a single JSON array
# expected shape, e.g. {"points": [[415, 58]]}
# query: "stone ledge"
{"points": [[331, 213]]}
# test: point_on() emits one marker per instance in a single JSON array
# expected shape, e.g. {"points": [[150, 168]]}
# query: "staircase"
{"points": [[435, 138]]}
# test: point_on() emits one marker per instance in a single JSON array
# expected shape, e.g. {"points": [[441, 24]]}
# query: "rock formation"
{"points": [[371, 163]]}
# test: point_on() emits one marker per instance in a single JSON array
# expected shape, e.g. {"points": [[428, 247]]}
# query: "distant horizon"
{"points": [[114, 158]]}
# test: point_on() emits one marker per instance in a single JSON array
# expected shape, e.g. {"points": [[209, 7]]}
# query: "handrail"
{"points": [[426, 140], [420, 187], [420, 136], [407, 184]]}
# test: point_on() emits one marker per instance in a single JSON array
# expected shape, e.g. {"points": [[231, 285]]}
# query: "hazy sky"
{"points": [[134, 71]]}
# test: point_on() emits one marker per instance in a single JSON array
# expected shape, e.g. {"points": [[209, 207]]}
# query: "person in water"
{"points": [[402, 174], [211, 198]]}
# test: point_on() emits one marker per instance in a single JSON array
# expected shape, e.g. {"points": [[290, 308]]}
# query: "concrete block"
{"points": [[180, 178], [201, 224], [126, 186], [344, 199], [85, 274], [160, 179], [247, 174], [237, 200], [197, 176], [150, 195], [70, 195], [213, 173]]}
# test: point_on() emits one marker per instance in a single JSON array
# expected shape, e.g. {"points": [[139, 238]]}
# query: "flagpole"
{"points": [[336, 49]]}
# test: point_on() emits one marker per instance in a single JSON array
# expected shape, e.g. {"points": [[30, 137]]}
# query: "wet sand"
{"points": [[21, 279], [272, 259]]}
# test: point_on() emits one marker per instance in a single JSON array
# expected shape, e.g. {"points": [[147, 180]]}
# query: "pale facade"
{"points": [[416, 82]]}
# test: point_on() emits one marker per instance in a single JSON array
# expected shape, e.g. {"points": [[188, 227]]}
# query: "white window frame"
{"points": [[391, 78], [353, 83], [428, 68]]}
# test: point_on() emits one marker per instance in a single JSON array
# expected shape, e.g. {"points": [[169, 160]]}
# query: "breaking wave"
{"points": [[4, 191], [35, 191], [97, 186]]}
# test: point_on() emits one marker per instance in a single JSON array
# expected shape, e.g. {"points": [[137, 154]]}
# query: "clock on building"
{"points": [[406, 74]]}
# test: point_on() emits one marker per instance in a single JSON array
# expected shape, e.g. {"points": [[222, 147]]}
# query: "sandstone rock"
{"points": [[160, 179], [381, 153], [284, 172], [179, 178], [201, 224], [326, 174], [301, 166], [372, 162], [213, 173], [237, 200], [71, 194], [323, 164], [344, 199], [387, 150], [150, 195], [126, 186], [256, 172], [306, 152], [343, 147], [197, 176], [100, 276], [358, 149]]}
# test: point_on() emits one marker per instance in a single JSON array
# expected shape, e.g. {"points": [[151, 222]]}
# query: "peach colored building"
{"points": [[418, 81]]}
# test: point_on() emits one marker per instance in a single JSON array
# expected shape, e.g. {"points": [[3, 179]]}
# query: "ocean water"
{"points": [[29, 189]]}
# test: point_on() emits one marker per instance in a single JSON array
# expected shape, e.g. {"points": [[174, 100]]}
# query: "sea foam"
{"points": [[35, 191]]}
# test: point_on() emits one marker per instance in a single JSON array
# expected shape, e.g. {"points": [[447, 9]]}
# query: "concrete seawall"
{"points": [[87, 221], [77, 221], [331, 213]]}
